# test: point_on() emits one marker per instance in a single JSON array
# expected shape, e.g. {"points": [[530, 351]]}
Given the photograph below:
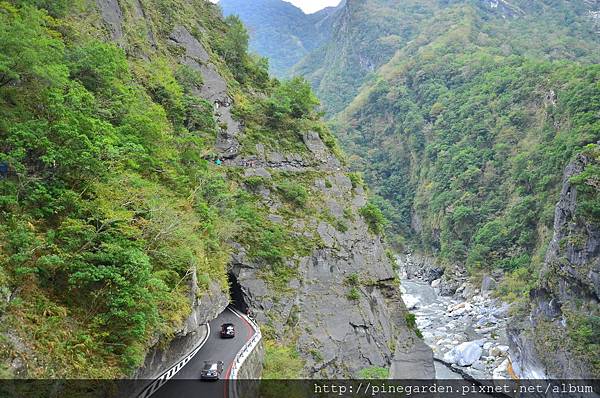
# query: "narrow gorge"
{"points": [[475, 124], [236, 190]]}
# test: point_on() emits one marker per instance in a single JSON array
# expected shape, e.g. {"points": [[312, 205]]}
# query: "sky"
{"points": [[310, 6]]}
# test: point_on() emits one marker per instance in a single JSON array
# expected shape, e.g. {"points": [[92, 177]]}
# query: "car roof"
{"points": [[227, 324]]}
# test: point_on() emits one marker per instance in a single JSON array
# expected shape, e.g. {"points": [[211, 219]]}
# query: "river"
{"points": [[467, 333]]}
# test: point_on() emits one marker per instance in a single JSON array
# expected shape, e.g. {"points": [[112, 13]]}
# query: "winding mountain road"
{"points": [[186, 383]]}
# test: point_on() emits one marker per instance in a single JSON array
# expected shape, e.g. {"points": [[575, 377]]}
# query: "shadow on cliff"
{"points": [[238, 297]]}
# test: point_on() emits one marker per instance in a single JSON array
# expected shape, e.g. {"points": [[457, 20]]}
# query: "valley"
{"points": [[475, 124], [385, 189]]}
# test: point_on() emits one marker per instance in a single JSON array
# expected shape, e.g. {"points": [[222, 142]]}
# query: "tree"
{"points": [[29, 53]]}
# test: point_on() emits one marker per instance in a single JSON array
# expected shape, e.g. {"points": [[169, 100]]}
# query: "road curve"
{"points": [[186, 383]]}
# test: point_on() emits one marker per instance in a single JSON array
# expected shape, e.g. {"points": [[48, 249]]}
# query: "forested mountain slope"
{"points": [[361, 36], [465, 116], [281, 31], [465, 135], [149, 163]]}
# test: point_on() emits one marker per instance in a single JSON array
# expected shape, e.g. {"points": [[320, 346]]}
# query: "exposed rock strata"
{"points": [[348, 334], [569, 283]]}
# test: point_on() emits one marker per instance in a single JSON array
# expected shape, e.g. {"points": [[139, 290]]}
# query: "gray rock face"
{"points": [[112, 16], [417, 364], [569, 276], [139, 14], [214, 89], [525, 360], [194, 49], [465, 354], [319, 150], [348, 332], [426, 268], [416, 266], [338, 335], [205, 306], [487, 283]]}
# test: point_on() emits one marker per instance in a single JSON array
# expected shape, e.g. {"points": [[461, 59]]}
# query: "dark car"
{"points": [[212, 370], [227, 331]]}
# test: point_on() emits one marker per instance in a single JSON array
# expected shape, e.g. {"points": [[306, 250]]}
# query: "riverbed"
{"points": [[465, 333]]}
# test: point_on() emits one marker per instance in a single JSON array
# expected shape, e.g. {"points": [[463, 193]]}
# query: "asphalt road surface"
{"points": [[187, 383]]}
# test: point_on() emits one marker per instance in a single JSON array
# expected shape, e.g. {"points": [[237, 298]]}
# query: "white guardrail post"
{"points": [[243, 353], [172, 371]]}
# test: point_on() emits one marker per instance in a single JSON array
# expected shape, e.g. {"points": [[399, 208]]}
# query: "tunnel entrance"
{"points": [[238, 298]]}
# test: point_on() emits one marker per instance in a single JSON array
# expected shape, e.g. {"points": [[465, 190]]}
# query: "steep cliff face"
{"points": [[198, 154], [341, 306], [560, 335]]}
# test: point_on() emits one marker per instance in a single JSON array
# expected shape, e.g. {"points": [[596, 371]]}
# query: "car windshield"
{"points": [[210, 366]]}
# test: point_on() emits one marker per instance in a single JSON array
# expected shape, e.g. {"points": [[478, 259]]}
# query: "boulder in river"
{"points": [[464, 354], [487, 283], [411, 301]]}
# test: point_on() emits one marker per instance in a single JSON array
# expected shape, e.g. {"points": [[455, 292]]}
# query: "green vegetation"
{"points": [[353, 294], [317, 356], [246, 68], [473, 155], [411, 322], [374, 372], [353, 279], [356, 179], [281, 362], [463, 118], [584, 335], [255, 182], [279, 31], [373, 217], [279, 120], [465, 133], [110, 206], [587, 184], [293, 193], [353, 282], [372, 35]]}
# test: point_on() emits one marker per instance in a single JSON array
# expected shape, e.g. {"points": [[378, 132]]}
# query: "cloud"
{"points": [[310, 6]]}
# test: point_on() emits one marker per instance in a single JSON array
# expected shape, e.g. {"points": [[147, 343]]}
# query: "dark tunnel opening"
{"points": [[238, 298]]}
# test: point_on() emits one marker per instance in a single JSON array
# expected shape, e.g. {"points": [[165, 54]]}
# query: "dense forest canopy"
{"points": [[465, 134], [465, 141], [109, 198]]}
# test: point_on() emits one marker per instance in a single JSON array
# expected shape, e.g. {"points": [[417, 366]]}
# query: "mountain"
{"points": [[465, 134], [465, 115], [152, 173], [358, 37], [280, 31]]}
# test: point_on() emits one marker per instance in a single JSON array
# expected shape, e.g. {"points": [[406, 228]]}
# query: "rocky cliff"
{"points": [[336, 299], [559, 338], [341, 307]]}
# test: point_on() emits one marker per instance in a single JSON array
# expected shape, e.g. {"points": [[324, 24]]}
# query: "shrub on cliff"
{"points": [[373, 217]]}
